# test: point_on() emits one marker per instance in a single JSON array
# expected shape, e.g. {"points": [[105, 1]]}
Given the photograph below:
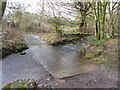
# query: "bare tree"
{"points": [[83, 9], [75, 12], [112, 20], [54, 18], [41, 12], [100, 9]]}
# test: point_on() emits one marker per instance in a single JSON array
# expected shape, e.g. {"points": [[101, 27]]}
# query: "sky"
{"points": [[33, 4]]}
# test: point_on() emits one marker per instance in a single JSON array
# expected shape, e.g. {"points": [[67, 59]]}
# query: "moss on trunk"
{"points": [[2, 8]]}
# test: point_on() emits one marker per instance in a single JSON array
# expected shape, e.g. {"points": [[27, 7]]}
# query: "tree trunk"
{"points": [[2, 8], [83, 24], [100, 12], [102, 20], [111, 20]]}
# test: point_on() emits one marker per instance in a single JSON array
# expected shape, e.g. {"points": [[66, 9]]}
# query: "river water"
{"points": [[62, 61], [41, 59]]}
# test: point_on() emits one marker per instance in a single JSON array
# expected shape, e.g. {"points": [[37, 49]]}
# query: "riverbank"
{"points": [[12, 42], [66, 38], [102, 52]]}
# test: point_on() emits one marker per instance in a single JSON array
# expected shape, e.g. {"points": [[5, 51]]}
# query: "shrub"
{"points": [[12, 42]]}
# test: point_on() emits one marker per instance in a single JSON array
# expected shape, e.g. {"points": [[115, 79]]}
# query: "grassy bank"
{"points": [[102, 52], [12, 42], [66, 38]]}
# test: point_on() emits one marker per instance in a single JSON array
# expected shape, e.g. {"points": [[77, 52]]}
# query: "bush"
{"points": [[12, 42]]}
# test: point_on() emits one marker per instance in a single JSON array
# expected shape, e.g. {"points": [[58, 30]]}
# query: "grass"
{"points": [[89, 56], [100, 60], [103, 52], [94, 41], [7, 86], [71, 27]]}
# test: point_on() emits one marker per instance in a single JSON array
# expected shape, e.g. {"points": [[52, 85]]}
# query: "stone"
{"points": [[40, 86], [48, 79], [23, 83]]}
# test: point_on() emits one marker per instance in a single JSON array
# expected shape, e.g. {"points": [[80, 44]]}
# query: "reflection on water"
{"points": [[61, 61]]}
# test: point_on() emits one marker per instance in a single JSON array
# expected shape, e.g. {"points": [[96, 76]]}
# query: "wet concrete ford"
{"points": [[62, 61]]}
